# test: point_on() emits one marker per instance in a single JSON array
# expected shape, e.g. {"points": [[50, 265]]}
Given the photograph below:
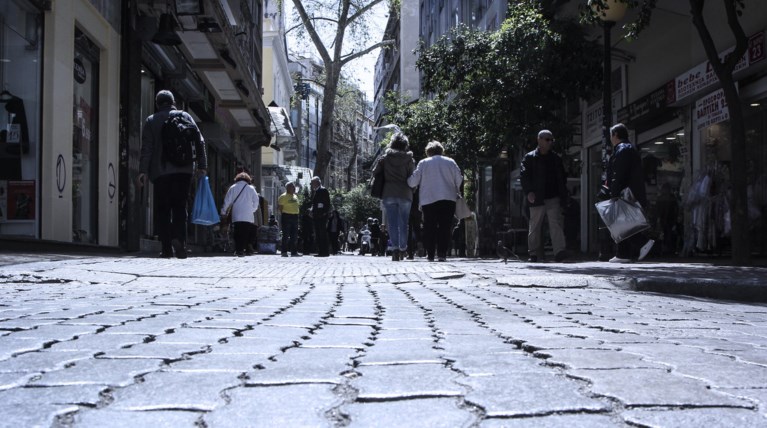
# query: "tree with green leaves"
{"points": [[495, 90], [329, 25], [724, 68]]}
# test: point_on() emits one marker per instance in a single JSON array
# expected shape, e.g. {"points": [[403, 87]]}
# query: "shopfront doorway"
{"points": [[85, 141]]}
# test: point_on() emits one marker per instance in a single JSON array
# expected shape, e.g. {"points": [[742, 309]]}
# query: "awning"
{"points": [[281, 126]]}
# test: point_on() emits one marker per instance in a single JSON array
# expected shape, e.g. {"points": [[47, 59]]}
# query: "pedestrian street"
{"points": [[362, 341]]}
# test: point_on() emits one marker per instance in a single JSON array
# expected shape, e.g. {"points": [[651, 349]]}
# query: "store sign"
{"points": [[79, 69], [711, 109], [592, 118], [648, 106], [703, 76]]}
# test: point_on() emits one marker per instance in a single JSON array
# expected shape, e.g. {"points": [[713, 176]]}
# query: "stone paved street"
{"points": [[362, 341]]}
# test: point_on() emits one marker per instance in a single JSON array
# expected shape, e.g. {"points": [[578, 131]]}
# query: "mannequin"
{"points": [[13, 140]]}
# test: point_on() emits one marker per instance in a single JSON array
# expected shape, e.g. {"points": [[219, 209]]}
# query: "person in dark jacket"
{"points": [[397, 164], [171, 182], [625, 170], [320, 213], [544, 184]]}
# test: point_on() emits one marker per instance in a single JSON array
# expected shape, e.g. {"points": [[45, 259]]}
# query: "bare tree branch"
{"points": [[355, 55]]}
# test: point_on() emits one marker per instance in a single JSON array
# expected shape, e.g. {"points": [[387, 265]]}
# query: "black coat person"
{"points": [[320, 214], [625, 170]]}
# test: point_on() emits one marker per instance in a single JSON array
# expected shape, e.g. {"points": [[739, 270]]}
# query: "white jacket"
{"points": [[439, 179], [246, 205]]}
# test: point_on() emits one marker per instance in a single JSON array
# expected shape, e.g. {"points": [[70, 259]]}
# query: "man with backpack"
{"points": [[171, 149]]}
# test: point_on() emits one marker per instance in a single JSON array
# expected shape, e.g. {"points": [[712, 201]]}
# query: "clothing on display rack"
{"points": [[14, 136]]}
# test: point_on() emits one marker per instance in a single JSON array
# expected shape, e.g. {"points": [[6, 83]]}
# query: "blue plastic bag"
{"points": [[204, 211]]}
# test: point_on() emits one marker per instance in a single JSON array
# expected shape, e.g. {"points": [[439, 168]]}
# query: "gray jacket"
{"points": [[397, 166], [150, 162]]}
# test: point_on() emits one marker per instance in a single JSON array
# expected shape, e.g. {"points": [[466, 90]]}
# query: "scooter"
{"points": [[365, 243]]}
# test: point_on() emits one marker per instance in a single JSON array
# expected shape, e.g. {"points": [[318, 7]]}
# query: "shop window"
{"points": [[20, 68]]}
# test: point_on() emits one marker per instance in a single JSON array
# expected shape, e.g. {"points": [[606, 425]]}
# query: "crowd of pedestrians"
{"points": [[419, 201]]}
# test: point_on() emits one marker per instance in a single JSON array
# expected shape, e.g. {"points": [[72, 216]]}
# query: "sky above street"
{"points": [[361, 70]]}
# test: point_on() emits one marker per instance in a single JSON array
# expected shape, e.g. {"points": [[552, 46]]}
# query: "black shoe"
{"points": [[560, 256], [533, 259], [178, 247], [295, 255], [322, 255], [395, 256], [166, 254], [284, 254]]}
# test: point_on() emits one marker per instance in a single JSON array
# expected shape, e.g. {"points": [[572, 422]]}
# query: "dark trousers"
{"points": [[321, 235], [289, 232], [629, 248], [242, 233], [171, 194], [438, 227]]}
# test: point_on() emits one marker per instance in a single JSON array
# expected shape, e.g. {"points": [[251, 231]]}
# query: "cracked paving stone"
{"points": [[529, 394], [427, 412], [12, 380], [133, 419], [232, 363], [467, 345], [545, 281], [41, 361], [199, 336], [563, 342], [10, 346], [305, 365], [395, 352], [554, 421], [349, 336], [99, 372], [171, 390], [651, 387], [268, 407], [272, 332], [99, 342], [378, 383], [164, 351], [724, 372], [715, 417], [405, 333], [595, 359], [33, 415], [252, 345], [498, 364]]}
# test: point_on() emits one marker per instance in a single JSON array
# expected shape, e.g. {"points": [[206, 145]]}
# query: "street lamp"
{"points": [[609, 12]]}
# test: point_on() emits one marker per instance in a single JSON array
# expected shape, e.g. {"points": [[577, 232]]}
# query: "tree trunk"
{"points": [[739, 238], [326, 123]]}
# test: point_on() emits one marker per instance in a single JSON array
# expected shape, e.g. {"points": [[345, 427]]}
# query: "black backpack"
{"points": [[179, 139]]}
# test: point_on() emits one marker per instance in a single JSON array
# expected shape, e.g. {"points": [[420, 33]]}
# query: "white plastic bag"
{"points": [[623, 219]]}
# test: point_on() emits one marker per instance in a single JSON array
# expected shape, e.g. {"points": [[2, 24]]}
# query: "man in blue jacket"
{"points": [[544, 184]]}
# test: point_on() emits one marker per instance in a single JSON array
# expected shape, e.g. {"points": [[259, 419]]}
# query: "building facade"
{"points": [[90, 70]]}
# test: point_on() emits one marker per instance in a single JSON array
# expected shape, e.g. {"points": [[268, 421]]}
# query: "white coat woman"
{"points": [[243, 200]]}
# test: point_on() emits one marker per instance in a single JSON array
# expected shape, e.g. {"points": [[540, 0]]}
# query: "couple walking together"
{"points": [[438, 180]]}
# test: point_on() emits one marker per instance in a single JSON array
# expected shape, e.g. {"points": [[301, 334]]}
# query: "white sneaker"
{"points": [[645, 250], [616, 259]]}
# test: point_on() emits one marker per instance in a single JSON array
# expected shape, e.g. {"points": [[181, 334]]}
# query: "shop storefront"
{"points": [[20, 79]]}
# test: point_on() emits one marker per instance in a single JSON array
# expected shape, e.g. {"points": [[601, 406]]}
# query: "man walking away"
{"points": [[625, 170], [171, 180], [545, 185]]}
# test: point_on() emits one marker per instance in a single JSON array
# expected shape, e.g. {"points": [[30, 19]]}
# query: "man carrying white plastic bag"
{"points": [[623, 214]]}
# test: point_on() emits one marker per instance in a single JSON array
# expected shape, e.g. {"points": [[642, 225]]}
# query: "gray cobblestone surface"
{"points": [[363, 341]]}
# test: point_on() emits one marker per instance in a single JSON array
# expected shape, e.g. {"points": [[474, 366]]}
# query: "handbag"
{"points": [[204, 210], [377, 183], [226, 219], [624, 217], [462, 209]]}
